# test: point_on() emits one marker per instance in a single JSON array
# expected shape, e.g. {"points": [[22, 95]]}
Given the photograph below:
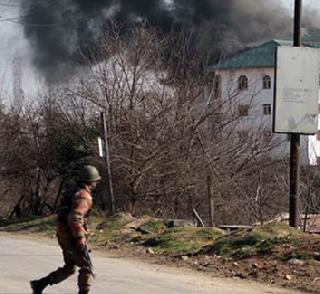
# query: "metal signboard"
{"points": [[100, 147], [296, 90]]}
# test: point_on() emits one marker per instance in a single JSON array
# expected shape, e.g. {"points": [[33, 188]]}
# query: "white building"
{"points": [[247, 79]]}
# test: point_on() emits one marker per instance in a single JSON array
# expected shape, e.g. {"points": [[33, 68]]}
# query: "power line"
{"points": [[44, 25], [19, 20], [44, 5], [21, 5], [9, 19]]}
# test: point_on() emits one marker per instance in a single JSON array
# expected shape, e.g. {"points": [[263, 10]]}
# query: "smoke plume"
{"points": [[58, 29]]}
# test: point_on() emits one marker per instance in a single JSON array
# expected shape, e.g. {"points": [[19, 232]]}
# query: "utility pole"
{"points": [[107, 160], [295, 137], [211, 199]]}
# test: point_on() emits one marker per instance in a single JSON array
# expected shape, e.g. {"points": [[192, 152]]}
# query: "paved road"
{"points": [[22, 260]]}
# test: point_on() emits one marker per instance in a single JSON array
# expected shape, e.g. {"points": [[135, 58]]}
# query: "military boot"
{"points": [[38, 286]]}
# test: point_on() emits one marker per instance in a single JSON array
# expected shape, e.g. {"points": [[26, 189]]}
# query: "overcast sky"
{"points": [[14, 44], [311, 3]]}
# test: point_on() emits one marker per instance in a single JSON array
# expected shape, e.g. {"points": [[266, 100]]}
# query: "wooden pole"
{"points": [[107, 161], [211, 199]]}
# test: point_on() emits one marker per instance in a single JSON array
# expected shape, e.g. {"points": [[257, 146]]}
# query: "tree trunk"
{"points": [[56, 201]]}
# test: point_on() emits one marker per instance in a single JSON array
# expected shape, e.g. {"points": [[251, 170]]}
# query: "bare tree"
{"points": [[169, 130]]}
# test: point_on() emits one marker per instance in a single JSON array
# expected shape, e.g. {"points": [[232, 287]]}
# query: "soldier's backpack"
{"points": [[64, 207]]}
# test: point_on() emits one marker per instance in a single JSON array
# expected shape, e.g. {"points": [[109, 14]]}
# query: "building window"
{"points": [[318, 136], [217, 86], [266, 108], [243, 83], [266, 82], [243, 110]]}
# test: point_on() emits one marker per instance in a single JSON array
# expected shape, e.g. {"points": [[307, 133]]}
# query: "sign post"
{"points": [[296, 108], [107, 159], [294, 211], [296, 102]]}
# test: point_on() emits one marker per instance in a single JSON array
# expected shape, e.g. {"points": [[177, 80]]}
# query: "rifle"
{"points": [[87, 259]]}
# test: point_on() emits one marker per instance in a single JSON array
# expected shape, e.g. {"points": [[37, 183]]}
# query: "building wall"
{"points": [[254, 96], [257, 98], [314, 145]]}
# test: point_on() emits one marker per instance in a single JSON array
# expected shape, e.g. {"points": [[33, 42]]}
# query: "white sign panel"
{"points": [[296, 90], [100, 147]]}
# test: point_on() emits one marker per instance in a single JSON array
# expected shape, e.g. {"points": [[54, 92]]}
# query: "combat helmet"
{"points": [[88, 173]]}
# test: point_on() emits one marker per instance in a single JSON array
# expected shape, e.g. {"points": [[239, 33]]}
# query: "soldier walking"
{"points": [[72, 234]]}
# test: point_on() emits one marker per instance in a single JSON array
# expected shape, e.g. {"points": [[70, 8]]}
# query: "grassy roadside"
{"points": [[274, 253], [43, 226]]}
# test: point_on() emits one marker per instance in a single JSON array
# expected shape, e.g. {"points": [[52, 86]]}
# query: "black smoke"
{"points": [[58, 30]]}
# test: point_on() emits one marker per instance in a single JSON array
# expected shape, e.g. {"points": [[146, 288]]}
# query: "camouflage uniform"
{"points": [[72, 234]]}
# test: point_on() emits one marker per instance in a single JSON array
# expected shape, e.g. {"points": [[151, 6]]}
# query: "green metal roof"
{"points": [[262, 56], [254, 57], [312, 38]]}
